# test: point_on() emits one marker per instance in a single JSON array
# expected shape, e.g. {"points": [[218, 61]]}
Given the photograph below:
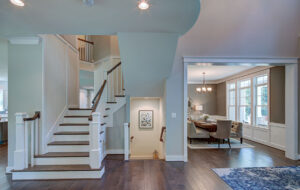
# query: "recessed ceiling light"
{"points": [[143, 5], [18, 3]]}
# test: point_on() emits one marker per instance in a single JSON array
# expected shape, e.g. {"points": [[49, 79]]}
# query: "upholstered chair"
{"points": [[223, 131], [237, 130], [196, 133]]}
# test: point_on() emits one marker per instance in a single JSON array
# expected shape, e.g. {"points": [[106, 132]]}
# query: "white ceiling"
{"points": [[213, 73], [105, 17]]}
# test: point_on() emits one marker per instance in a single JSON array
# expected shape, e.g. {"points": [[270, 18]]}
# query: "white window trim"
{"points": [[253, 86]]}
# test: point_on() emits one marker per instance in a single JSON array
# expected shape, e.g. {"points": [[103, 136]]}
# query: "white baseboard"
{"points": [[174, 158], [9, 169], [114, 151]]}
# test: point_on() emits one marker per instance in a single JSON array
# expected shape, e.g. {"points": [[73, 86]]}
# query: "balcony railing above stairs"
{"points": [[85, 49]]}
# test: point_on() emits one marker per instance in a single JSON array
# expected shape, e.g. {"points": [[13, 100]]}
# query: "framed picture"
{"points": [[146, 119]]}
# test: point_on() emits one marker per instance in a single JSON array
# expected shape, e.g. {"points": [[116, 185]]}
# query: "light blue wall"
{"points": [[147, 59], [86, 78], [24, 86]]}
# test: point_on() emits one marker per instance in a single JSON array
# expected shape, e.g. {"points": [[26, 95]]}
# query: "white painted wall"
{"points": [[145, 141], [61, 82]]}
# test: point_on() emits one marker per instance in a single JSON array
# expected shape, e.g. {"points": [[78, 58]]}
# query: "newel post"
{"points": [[95, 126], [20, 154]]}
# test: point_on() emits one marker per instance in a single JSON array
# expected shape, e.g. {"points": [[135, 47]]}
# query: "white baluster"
{"points": [[26, 144], [19, 153], [126, 141], [32, 143], [94, 130], [36, 139]]}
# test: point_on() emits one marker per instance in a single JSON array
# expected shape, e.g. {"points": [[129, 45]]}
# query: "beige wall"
{"points": [[145, 141], [277, 94], [221, 99], [105, 46], [208, 100]]}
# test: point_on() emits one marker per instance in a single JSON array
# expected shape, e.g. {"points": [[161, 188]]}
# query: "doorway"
{"points": [[146, 121], [288, 140]]}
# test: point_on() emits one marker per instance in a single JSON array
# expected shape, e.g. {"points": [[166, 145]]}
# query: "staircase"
{"points": [[77, 147]]}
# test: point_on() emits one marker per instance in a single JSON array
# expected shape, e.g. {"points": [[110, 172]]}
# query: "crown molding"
{"points": [[25, 40], [250, 61]]}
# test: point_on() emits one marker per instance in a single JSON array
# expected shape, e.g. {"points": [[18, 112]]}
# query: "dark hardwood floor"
{"points": [[156, 174]]}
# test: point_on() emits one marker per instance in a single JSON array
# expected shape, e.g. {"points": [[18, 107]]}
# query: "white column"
{"points": [[126, 141], [19, 154], [291, 111], [95, 126]]}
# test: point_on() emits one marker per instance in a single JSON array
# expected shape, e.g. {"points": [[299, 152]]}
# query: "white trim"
{"points": [[291, 111], [9, 169], [67, 43], [185, 108], [174, 158], [32, 40], [262, 61], [277, 125], [105, 59], [114, 151]]}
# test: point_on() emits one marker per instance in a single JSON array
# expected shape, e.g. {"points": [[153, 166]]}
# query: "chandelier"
{"points": [[203, 89]]}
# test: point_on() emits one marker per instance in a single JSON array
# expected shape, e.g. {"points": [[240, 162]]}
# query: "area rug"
{"points": [[270, 178], [204, 145]]}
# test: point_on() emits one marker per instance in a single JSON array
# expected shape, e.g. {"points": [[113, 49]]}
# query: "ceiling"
{"points": [[104, 18], [213, 73]]}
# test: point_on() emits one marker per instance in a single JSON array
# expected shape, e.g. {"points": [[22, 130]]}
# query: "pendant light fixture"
{"points": [[203, 89]]}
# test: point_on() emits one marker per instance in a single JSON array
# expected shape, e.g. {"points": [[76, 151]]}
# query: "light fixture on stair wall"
{"points": [[88, 2], [18, 3], [203, 88], [143, 5]]}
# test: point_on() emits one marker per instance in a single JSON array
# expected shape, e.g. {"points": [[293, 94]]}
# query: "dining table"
{"points": [[209, 126]]}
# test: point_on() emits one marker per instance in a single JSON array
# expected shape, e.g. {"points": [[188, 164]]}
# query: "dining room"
{"points": [[227, 104]]}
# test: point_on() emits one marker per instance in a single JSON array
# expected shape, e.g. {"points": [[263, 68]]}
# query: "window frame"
{"points": [[255, 105], [239, 106], [228, 106], [253, 91]]}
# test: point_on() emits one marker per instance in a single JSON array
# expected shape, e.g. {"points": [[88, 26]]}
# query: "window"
{"points": [[245, 101], [231, 101], [261, 106], [1, 100], [248, 99]]}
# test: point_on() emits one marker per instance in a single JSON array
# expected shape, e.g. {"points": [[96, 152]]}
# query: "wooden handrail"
{"points": [[86, 41], [112, 69], [162, 133], [98, 99], [37, 115]]}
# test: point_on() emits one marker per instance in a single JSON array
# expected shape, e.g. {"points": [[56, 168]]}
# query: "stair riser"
{"points": [[70, 138], [68, 148], [75, 120], [73, 128], [62, 161], [79, 112], [58, 175]]}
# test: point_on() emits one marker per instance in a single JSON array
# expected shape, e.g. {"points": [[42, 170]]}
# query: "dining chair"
{"points": [[223, 131]]}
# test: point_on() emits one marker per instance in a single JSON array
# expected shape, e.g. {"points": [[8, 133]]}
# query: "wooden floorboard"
{"points": [[63, 154], [159, 175]]}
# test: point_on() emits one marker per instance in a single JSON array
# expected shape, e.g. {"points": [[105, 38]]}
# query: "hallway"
{"points": [[156, 175]]}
